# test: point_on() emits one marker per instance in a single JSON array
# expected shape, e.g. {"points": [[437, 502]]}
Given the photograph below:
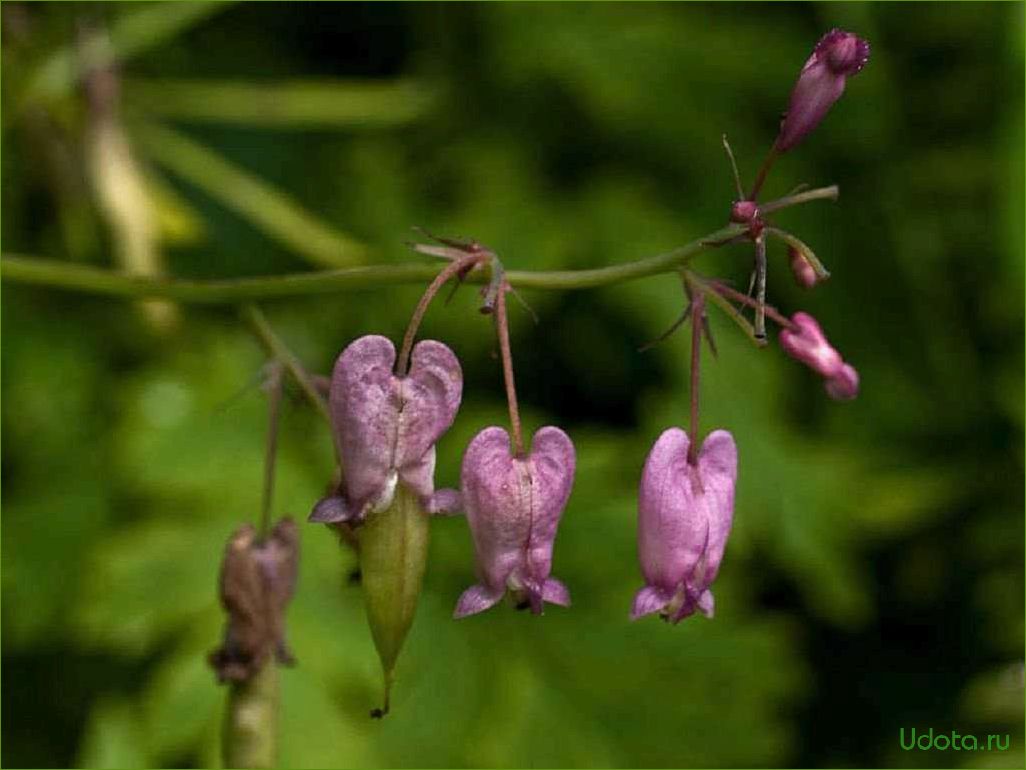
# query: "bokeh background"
{"points": [[874, 579]]}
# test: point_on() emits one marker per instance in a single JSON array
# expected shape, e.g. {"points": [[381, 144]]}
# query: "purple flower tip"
{"points": [[386, 426], [513, 506], [685, 513], [808, 344], [837, 56]]}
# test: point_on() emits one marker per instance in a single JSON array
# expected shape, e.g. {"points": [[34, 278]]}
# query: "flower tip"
{"points": [[844, 52], [804, 273], [844, 386]]}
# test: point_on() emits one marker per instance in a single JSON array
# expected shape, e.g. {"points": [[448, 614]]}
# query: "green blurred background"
{"points": [[874, 579]]}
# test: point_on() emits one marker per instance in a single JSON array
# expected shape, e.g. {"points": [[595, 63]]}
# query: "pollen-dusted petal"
{"points": [[364, 401], [431, 393]]}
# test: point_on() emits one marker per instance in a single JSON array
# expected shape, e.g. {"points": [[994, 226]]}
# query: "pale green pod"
{"points": [[393, 555]]}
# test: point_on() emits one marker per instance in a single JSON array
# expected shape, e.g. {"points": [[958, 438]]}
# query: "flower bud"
{"points": [[685, 514], [744, 211], [803, 272], [513, 507], [258, 580], [807, 343], [837, 56]]}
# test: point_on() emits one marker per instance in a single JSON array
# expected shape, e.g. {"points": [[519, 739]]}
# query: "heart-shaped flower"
{"points": [[513, 505], [386, 426], [685, 513]]}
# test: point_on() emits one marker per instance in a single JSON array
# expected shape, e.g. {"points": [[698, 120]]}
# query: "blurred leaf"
{"points": [[284, 104], [135, 31], [113, 737], [270, 210]]}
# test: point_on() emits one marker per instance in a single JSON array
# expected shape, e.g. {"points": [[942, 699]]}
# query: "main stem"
{"points": [[502, 328], [697, 312], [250, 730], [453, 268], [66, 275]]}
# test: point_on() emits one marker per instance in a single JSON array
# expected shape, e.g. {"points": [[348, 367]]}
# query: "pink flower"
{"points": [[807, 343], [513, 506], [386, 426], [837, 56], [684, 517]]}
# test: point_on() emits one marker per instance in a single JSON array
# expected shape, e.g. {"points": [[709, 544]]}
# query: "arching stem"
{"points": [[456, 267], [697, 313], [502, 329]]}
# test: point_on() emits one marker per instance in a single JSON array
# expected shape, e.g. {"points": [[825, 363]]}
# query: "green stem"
{"points": [[279, 351], [250, 732], [65, 275]]}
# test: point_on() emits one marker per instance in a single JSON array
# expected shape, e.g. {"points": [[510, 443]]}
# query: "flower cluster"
{"points": [[388, 411]]}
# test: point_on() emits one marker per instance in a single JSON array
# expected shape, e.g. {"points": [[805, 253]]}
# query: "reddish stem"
{"points": [[763, 171], [697, 311], [456, 267], [502, 328], [771, 312]]}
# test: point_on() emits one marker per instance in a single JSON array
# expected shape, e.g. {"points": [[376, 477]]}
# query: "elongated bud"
{"points": [[837, 56]]}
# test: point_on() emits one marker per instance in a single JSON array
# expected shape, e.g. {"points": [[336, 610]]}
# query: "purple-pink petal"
{"points": [[513, 506], [685, 514], [386, 426]]}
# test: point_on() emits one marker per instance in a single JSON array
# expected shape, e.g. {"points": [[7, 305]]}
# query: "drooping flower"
{"points": [[513, 505], [685, 512], [807, 343], [837, 56], [258, 579], [386, 426]]}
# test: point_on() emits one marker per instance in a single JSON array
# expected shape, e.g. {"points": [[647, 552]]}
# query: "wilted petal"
{"points": [[386, 426]]}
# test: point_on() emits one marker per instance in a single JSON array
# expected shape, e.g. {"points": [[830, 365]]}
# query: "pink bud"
{"points": [[804, 273], [513, 506], [743, 212], [684, 517], [808, 344], [386, 426], [837, 56]]}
